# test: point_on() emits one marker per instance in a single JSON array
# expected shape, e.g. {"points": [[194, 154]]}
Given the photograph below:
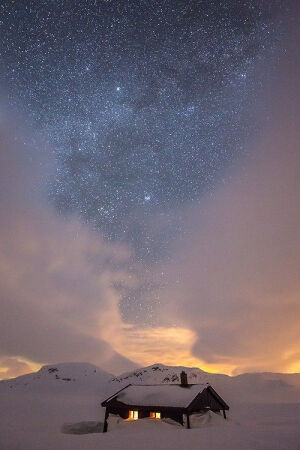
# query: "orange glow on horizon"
{"points": [[293, 368], [171, 346], [146, 346], [7, 372]]}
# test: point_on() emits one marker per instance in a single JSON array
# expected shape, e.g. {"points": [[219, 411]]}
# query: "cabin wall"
{"points": [[213, 402], [204, 401], [143, 413], [122, 412]]}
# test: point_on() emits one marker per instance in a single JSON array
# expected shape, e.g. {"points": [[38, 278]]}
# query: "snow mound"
{"points": [[264, 412], [82, 427], [209, 418], [116, 423]]}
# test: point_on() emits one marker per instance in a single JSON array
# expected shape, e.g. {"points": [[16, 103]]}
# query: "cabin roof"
{"points": [[171, 395]]}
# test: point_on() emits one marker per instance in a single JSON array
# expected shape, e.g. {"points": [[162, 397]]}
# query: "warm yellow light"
{"points": [[172, 346], [155, 415], [294, 368], [11, 371], [133, 415]]}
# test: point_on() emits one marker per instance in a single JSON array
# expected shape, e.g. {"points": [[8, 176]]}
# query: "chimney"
{"points": [[183, 379]]}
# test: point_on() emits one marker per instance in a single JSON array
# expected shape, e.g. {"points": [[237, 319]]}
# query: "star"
{"points": [[145, 108]]}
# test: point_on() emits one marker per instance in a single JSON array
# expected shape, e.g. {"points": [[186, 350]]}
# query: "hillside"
{"points": [[34, 406], [249, 387], [264, 410], [161, 374], [59, 378]]}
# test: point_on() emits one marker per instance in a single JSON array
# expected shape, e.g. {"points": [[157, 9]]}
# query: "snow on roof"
{"points": [[160, 395]]}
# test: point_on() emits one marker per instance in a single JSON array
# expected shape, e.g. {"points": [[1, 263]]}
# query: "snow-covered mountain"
{"points": [[63, 377], [251, 387], [35, 406], [87, 379], [161, 374]]}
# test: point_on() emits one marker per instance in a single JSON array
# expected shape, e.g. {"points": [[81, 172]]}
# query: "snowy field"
{"points": [[34, 408]]}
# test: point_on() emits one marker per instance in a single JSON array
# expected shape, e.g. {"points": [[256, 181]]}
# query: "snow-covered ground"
{"points": [[264, 411]]}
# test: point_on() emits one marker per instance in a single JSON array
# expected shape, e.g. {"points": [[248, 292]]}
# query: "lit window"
{"points": [[133, 415], [155, 415]]}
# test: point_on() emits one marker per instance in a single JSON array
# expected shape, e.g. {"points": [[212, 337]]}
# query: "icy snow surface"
{"points": [[264, 412], [164, 395]]}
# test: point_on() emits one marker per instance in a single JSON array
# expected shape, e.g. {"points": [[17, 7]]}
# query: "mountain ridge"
{"points": [[87, 378]]}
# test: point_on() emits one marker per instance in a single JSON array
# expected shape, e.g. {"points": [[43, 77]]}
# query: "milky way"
{"points": [[144, 103]]}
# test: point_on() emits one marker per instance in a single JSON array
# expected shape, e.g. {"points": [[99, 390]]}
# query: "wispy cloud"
{"points": [[57, 276], [235, 278]]}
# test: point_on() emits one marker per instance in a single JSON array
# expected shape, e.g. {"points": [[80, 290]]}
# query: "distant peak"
{"points": [[164, 366], [69, 365], [159, 373]]}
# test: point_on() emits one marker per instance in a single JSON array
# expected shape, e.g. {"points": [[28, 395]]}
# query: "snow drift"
{"points": [[59, 407]]}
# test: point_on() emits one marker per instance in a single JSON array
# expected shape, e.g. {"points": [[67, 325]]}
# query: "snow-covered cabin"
{"points": [[174, 401]]}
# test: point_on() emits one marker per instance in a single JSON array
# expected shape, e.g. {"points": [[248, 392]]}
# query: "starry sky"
{"points": [[145, 106], [143, 102]]}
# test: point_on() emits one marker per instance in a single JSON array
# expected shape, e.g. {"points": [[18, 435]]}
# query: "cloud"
{"points": [[169, 345], [13, 367], [57, 277], [232, 297], [235, 280]]}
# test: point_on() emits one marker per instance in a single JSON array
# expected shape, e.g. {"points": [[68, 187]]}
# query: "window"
{"points": [[133, 415], [155, 415]]}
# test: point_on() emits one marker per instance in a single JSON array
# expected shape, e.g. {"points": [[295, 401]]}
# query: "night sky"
{"points": [[145, 106], [144, 102]]}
